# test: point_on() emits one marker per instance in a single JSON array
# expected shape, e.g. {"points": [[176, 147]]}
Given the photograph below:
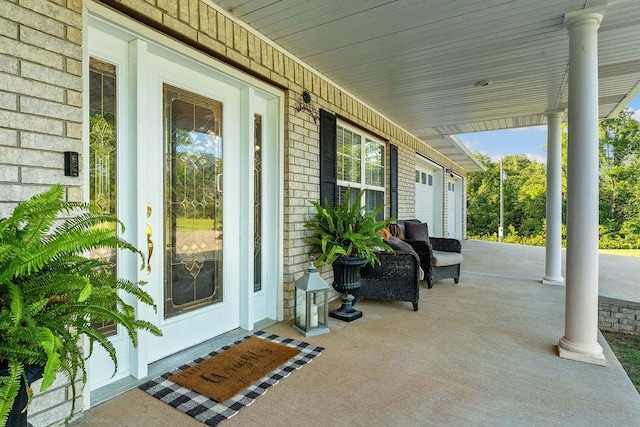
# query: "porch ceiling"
{"points": [[416, 62]]}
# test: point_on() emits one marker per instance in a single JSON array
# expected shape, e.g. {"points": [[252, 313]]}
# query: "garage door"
{"points": [[424, 195]]}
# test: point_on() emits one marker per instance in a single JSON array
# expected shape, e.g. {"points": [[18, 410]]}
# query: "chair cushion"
{"points": [[442, 259], [416, 231]]}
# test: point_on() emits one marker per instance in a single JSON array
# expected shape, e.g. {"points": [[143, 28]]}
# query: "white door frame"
{"points": [[454, 228], [140, 40]]}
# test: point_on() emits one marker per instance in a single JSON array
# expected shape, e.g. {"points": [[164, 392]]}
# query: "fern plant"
{"points": [[346, 230], [51, 295]]}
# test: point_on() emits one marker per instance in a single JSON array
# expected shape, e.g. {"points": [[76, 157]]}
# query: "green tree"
{"points": [[483, 204], [619, 179], [524, 193], [525, 190]]}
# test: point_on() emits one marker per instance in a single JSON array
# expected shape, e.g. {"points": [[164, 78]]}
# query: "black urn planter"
{"points": [[18, 416], [346, 280]]}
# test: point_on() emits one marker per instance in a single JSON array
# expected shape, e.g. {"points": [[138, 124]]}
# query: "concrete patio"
{"points": [[479, 353]]}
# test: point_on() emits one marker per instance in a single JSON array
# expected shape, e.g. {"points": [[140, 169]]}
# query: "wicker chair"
{"points": [[440, 258], [396, 278]]}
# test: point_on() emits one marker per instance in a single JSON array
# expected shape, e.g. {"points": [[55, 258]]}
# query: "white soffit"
{"points": [[451, 147], [417, 62]]}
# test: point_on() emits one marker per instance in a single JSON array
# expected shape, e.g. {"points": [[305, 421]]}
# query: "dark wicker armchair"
{"points": [[395, 278], [440, 257]]}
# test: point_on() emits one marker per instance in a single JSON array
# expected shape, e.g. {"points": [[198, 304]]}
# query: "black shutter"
{"points": [[328, 154], [393, 181]]}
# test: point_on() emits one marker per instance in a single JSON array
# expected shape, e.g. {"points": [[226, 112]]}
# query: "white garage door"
{"points": [[424, 195]]}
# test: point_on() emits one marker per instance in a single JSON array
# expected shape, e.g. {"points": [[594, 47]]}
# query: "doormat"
{"points": [[212, 412], [224, 375]]}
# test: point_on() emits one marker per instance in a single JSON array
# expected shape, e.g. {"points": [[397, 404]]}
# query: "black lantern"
{"points": [[311, 311]]}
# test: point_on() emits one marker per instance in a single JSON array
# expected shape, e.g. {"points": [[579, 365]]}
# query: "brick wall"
{"points": [[615, 315], [40, 118], [40, 96]]}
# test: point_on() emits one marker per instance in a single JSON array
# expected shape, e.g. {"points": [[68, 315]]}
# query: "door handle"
{"points": [[149, 241]]}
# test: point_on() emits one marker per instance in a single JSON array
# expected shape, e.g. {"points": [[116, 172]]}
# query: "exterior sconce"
{"points": [[311, 311], [305, 103]]}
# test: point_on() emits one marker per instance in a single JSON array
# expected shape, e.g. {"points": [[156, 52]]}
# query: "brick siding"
{"points": [[615, 315], [40, 118], [40, 96]]}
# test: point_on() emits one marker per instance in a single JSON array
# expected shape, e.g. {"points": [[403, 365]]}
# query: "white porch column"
{"points": [[581, 307], [553, 260]]}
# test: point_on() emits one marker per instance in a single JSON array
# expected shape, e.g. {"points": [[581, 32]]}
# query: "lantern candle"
{"points": [[313, 317], [302, 315]]}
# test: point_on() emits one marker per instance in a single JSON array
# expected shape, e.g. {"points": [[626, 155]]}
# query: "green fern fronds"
{"points": [[346, 230], [51, 294]]}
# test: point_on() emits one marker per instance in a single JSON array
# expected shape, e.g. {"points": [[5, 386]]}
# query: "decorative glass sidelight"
{"points": [[102, 150], [257, 210], [193, 201]]}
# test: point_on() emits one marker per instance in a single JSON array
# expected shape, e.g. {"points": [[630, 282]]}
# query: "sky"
{"points": [[530, 141]]}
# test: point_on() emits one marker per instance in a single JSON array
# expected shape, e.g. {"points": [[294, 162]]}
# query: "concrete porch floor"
{"points": [[479, 353]]}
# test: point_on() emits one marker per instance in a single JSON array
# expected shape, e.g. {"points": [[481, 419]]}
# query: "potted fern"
{"points": [[52, 296], [347, 237]]}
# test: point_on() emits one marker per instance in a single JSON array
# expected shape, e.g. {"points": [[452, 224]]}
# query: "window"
{"points": [[257, 197], [424, 178], [360, 165], [103, 145]]}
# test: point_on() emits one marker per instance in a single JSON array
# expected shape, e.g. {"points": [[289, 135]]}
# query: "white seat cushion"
{"points": [[442, 259]]}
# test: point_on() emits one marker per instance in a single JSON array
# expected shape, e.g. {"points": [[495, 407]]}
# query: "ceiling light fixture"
{"points": [[482, 83]]}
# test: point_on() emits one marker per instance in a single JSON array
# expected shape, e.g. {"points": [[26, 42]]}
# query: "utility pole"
{"points": [[501, 227]]}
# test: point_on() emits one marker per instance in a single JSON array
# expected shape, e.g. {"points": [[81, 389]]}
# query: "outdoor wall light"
{"points": [[311, 310], [305, 103]]}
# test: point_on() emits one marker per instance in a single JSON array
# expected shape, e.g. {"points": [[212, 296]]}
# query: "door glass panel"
{"points": [[193, 201], [102, 152], [257, 210]]}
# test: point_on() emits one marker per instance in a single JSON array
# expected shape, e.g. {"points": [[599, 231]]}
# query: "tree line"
{"points": [[524, 191]]}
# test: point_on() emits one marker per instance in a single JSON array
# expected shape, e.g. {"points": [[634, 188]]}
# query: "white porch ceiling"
{"points": [[416, 62]]}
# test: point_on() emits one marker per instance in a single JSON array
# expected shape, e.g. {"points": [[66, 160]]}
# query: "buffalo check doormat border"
{"points": [[211, 412]]}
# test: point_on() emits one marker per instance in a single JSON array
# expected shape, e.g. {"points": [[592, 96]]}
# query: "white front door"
{"points": [[188, 158]]}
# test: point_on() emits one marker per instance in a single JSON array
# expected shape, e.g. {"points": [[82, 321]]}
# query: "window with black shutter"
{"points": [[328, 158], [393, 181], [351, 158]]}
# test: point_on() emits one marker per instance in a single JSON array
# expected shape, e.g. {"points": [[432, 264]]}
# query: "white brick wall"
{"points": [[40, 118], [40, 96]]}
